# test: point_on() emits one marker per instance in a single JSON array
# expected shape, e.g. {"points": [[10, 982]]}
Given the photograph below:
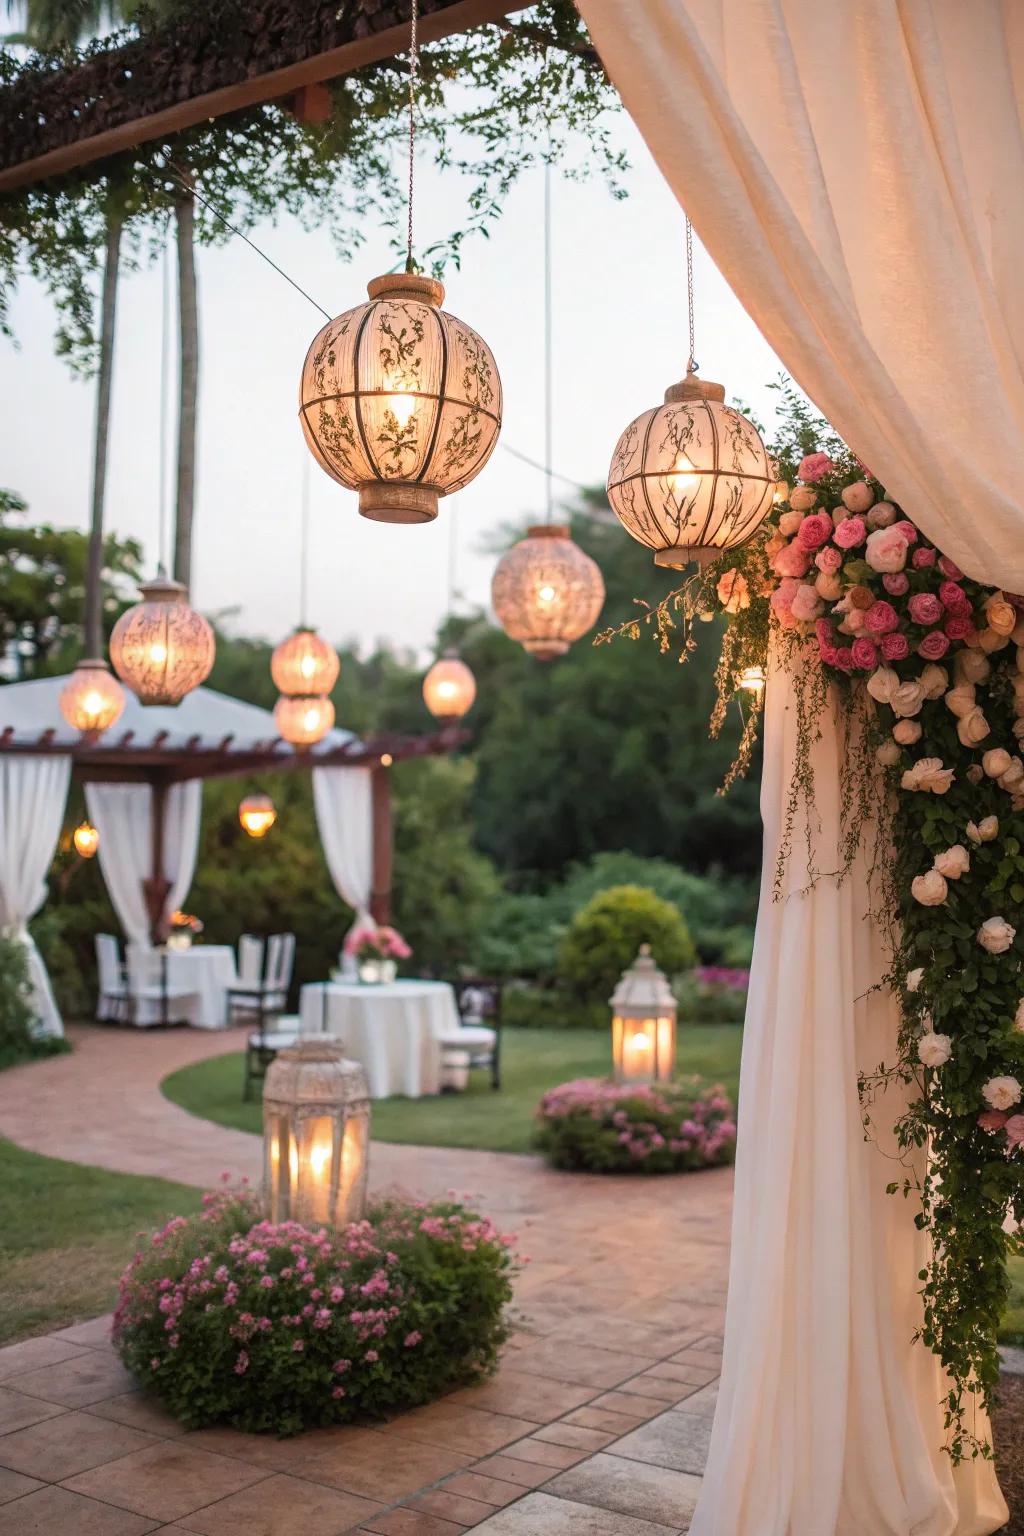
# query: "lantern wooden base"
{"points": [[682, 555], [546, 650], [397, 501]]}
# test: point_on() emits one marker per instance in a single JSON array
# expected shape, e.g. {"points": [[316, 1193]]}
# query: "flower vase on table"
{"points": [[376, 952], [183, 930]]}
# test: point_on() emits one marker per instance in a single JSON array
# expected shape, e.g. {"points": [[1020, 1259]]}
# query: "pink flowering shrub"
{"points": [[608, 1127], [231, 1318]]}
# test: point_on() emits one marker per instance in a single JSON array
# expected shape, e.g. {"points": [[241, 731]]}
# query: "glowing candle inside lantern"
{"points": [[402, 406], [158, 653], [547, 594], [684, 479]]}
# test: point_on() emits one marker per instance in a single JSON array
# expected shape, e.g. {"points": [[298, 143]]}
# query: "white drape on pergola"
{"points": [[123, 816], [855, 168], [33, 793]]}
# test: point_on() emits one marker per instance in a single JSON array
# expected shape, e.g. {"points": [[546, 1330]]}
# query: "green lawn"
{"points": [[1012, 1331], [533, 1061], [66, 1233]]}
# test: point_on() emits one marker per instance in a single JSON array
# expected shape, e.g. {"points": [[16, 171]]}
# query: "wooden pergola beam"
{"points": [[272, 86]]}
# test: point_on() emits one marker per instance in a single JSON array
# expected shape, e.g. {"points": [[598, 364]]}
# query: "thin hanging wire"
{"points": [[304, 544], [453, 540], [162, 552], [548, 392], [691, 366], [414, 61]]}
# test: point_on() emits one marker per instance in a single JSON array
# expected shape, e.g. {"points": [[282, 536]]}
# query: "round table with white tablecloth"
{"points": [[206, 972], [393, 1029]]}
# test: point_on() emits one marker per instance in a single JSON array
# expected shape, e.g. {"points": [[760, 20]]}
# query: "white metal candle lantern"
{"points": [[643, 1023], [316, 1134]]}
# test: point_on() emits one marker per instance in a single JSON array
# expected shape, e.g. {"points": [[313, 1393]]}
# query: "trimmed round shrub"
{"points": [[607, 1127], [233, 1319], [605, 936]]}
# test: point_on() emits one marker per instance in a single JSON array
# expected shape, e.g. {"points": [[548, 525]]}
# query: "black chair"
{"points": [[264, 1002]]}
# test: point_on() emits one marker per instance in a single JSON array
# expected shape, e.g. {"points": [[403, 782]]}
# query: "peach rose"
{"points": [[996, 935], [906, 732], [996, 761], [984, 831], [1000, 615], [972, 728], [953, 862], [858, 496], [803, 498], [930, 889]]}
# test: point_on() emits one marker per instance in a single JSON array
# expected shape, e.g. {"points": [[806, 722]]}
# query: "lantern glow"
{"points": [[449, 688], [752, 679], [643, 1024], [303, 720], [162, 649], [316, 1129], [91, 699], [257, 814], [86, 840], [304, 664], [399, 400], [547, 592]]}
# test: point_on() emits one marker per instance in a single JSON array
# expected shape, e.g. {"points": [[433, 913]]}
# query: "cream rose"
{"points": [[930, 889], [906, 732], [907, 699], [882, 684], [984, 831], [953, 862], [1002, 1092], [961, 699], [888, 754], [803, 498], [789, 522], [996, 761], [1012, 776], [972, 728], [934, 1050], [996, 935], [914, 978], [934, 680], [971, 665]]}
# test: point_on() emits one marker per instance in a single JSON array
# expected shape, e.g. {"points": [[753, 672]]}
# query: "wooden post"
{"points": [[156, 887], [383, 845]]}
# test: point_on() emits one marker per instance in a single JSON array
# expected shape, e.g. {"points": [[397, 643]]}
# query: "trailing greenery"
{"points": [[598, 1126], [230, 1318], [19, 1040], [604, 939]]}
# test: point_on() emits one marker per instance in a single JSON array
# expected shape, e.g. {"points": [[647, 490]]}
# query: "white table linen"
{"points": [[206, 971], [393, 1030]]}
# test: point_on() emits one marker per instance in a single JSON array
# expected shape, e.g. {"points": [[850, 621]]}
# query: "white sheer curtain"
{"points": [[33, 794], [123, 816], [855, 169], [343, 799], [829, 1420]]}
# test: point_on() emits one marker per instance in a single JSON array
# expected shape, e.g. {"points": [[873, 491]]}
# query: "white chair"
{"points": [[112, 996], [250, 960], [152, 999], [265, 999], [474, 1043]]}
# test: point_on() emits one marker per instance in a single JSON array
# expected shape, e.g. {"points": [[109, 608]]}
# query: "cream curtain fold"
{"points": [[855, 169], [123, 816], [33, 794]]}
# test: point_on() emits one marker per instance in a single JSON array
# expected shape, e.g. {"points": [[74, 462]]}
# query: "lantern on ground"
{"points": [[449, 688], [303, 721], [399, 400], [643, 1023], [162, 648], [316, 1133], [546, 592], [91, 699], [304, 664], [257, 814], [86, 840]]}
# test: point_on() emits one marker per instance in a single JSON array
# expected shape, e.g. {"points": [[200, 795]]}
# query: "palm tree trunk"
{"points": [[108, 316], [188, 318]]}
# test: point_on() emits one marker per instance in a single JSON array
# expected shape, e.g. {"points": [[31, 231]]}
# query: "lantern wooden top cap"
{"points": [[548, 531], [314, 1049], [163, 590], [91, 664], [407, 285], [694, 388]]}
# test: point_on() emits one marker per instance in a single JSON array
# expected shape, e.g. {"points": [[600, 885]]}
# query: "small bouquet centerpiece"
{"points": [[376, 952], [184, 928]]}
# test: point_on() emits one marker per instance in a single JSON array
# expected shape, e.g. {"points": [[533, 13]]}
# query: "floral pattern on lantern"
{"points": [[691, 478], [257, 814], [643, 1023], [91, 699], [162, 649], [449, 688], [400, 400], [304, 664], [316, 1134], [86, 840], [546, 592], [303, 721]]}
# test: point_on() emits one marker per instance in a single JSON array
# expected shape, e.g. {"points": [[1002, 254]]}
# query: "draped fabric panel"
{"points": [[344, 817], [123, 816], [829, 1420], [855, 169], [33, 794]]}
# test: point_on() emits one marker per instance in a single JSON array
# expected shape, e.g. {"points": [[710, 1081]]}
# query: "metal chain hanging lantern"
{"points": [[399, 400], [303, 721], [546, 592], [691, 478], [162, 649], [257, 815], [91, 699], [449, 688], [304, 664]]}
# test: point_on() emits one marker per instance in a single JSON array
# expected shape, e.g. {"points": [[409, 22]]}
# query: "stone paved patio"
{"points": [[596, 1425]]}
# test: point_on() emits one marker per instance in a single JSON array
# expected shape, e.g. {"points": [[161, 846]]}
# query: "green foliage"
{"points": [[402, 1308], [605, 937], [703, 1003], [18, 1022], [600, 1127]]}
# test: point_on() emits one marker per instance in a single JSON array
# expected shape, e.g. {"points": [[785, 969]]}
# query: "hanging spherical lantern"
{"points": [[304, 664], [86, 840], [257, 814], [399, 400], [162, 648], [303, 720], [691, 478], [91, 699], [449, 688], [546, 592]]}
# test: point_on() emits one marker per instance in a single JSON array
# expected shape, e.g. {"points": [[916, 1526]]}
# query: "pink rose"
{"points": [[781, 602], [814, 467], [908, 531], [994, 1119], [824, 631], [953, 597], [895, 647], [881, 618], [814, 531], [950, 569], [806, 603], [864, 653], [828, 559], [1015, 1130], [829, 654], [925, 608], [791, 561], [844, 659], [896, 583], [934, 645], [886, 549], [923, 555], [850, 531], [958, 626]]}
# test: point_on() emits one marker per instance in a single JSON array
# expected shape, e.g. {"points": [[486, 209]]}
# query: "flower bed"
{"points": [[607, 1127], [230, 1318]]}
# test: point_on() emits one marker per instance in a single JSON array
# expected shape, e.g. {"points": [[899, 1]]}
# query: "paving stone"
{"points": [[30, 1354], [577, 1436], [541, 1515], [139, 1411], [59, 1447], [486, 1490], [459, 1428], [56, 1512], [603, 1419], [676, 1440], [704, 1402], [700, 1357], [91, 1335], [412, 1522], [13, 1485], [525, 1474], [692, 1375], [89, 1377], [659, 1389], [538, 1398], [631, 1488], [543, 1454], [581, 1363], [447, 1505], [376, 1465], [642, 1408], [282, 1506], [17, 1410], [165, 1481]]}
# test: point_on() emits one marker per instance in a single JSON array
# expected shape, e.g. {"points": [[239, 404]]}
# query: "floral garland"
{"points": [[930, 667]]}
